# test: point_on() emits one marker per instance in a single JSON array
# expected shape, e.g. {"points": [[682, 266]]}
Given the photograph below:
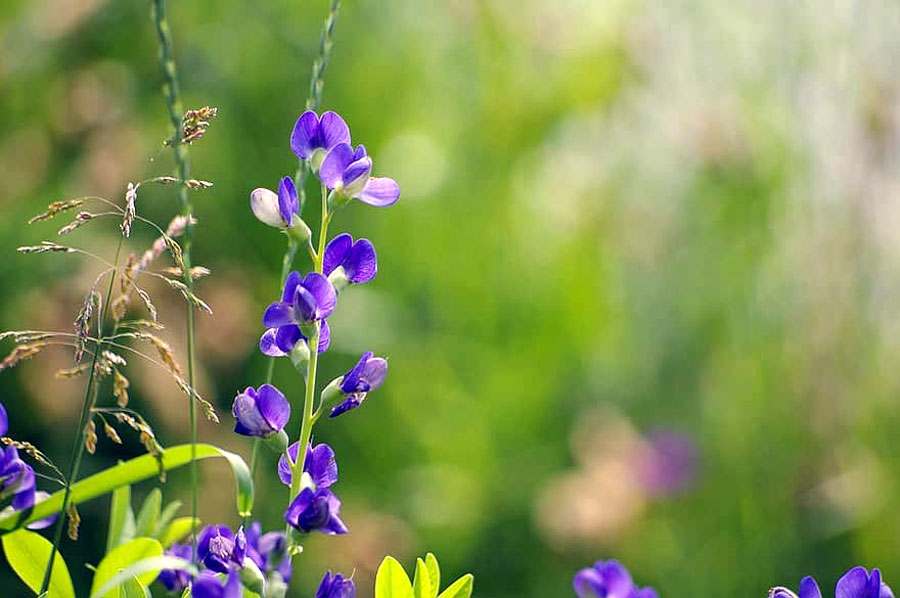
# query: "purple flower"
{"points": [[268, 551], [320, 464], [4, 421], [208, 585], [46, 522], [335, 586], [260, 413], [220, 549], [350, 261], [669, 466], [176, 580], [16, 479], [281, 210], [855, 583], [367, 375], [303, 301], [608, 579], [348, 172], [313, 137], [316, 510]]}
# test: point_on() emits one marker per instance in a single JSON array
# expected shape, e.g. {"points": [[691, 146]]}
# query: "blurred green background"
{"points": [[617, 217]]}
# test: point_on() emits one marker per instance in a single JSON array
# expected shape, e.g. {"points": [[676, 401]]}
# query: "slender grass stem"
{"points": [[90, 397], [171, 91]]}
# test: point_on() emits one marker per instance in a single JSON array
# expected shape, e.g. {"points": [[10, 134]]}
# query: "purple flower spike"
{"points": [[316, 510], [4, 421], [348, 172], [260, 413], [208, 585], [357, 260], [367, 375], [176, 580], [320, 464], [314, 136], [608, 579], [335, 586], [216, 547]]}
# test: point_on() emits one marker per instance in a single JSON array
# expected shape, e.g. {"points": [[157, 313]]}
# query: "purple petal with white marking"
{"points": [[335, 252], [335, 163], [267, 344]]}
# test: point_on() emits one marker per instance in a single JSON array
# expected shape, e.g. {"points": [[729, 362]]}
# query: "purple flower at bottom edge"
{"points": [[279, 342], [316, 510], [260, 412], [608, 579], [313, 135], [208, 585], [855, 583], [16, 479], [320, 464], [176, 580], [357, 258], [348, 172], [367, 375], [220, 549], [335, 586]]}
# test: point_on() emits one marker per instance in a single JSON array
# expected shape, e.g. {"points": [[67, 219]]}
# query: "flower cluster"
{"points": [[608, 579], [855, 583]]}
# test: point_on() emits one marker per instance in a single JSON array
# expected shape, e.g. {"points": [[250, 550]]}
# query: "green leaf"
{"points": [[135, 470], [28, 553], [124, 556], [177, 530], [149, 514], [461, 588], [155, 564], [421, 581], [121, 518], [166, 517], [391, 581], [133, 588], [434, 574]]}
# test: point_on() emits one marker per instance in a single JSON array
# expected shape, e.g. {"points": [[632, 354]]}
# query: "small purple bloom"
{"points": [[316, 510], [219, 549], [855, 583], [16, 479], [268, 551], [320, 464], [335, 586], [356, 260], [208, 585], [176, 580], [281, 210], [304, 300], [367, 375], [260, 413], [608, 579], [279, 342], [314, 136], [348, 172]]}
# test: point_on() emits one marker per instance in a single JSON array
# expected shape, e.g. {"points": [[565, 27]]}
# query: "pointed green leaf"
{"points": [[461, 588], [152, 564], [121, 518], [177, 530], [135, 470], [421, 581], [434, 574], [132, 588], [166, 517], [122, 557], [28, 554], [149, 514], [391, 581]]}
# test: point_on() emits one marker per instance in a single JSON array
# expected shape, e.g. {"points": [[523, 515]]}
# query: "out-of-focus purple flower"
{"points": [[349, 261], [336, 586], [268, 551], [855, 583], [304, 300], [220, 549], [46, 522], [176, 580], [320, 464], [316, 510], [4, 420], [608, 579], [367, 375], [670, 465], [349, 173], [208, 585], [260, 412], [282, 209], [313, 136], [16, 479]]}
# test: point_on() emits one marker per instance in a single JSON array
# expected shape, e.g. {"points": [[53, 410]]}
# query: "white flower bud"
{"points": [[264, 204]]}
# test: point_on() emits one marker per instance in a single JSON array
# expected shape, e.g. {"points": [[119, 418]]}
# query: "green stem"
{"points": [[90, 397], [172, 94]]}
